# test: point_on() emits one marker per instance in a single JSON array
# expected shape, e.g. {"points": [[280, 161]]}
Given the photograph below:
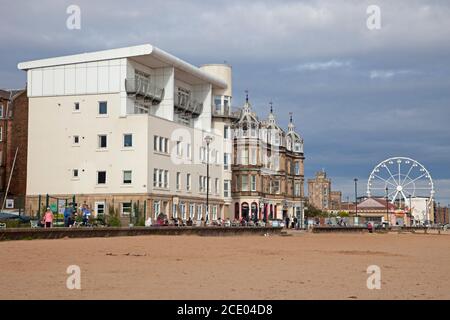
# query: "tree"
{"points": [[312, 212]]}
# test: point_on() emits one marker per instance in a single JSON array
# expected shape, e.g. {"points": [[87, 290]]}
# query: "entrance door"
{"points": [[245, 211]]}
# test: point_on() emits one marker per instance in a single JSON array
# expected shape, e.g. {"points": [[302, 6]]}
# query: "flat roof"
{"points": [[146, 54]]}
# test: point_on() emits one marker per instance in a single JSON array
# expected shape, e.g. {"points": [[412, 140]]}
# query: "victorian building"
{"points": [[268, 168]]}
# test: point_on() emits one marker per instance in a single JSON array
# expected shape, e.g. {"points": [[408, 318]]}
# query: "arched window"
{"points": [[245, 211], [254, 211]]}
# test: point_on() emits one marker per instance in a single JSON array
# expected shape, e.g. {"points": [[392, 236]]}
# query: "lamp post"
{"points": [[208, 140], [356, 199], [410, 207], [387, 205]]}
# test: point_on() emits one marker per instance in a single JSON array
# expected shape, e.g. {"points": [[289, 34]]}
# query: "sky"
{"points": [[358, 96]]}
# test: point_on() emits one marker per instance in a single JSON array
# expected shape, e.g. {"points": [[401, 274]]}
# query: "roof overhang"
{"points": [[146, 54]]}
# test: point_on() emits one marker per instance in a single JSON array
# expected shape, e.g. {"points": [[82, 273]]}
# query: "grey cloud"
{"points": [[314, 58]]}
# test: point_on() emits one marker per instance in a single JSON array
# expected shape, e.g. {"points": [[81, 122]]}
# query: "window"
{"points": [[244, 156], [75, 173], [200, 183], [1, 110], [214, 212], [76, 106], [275, 187], [127, 140], [297, 168], [297, 190], [156, 208], [76, 139], [253, 183], [101, 177], [102, 108], [183, 210], [166, 179], [188, 182], [1, 133], [199, 211], [102, 141], [127, 177], [253, 156], [126, 208], [192, 210], [188, 151], [174, 210], [226, 101], [155, 143], [226, 132], [216, 186], [202, 154], [160, 178], [100, 208], [178, 184], [155, 177], [179, 150], [226, 163], [244, 183], [160, 144], [226, 188], [218, 102]]}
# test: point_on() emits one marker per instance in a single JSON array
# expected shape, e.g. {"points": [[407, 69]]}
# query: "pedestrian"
{"points": [[86, 214], [48, 218], [287, 222], [67, 216]]}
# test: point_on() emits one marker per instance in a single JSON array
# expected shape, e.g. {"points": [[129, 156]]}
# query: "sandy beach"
{"points": [[303, 266]]}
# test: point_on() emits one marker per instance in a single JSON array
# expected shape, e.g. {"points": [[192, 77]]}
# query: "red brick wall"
{"points": [[15, 134]]}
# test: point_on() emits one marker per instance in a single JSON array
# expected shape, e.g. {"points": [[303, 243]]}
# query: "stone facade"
{"points": [[319, 191], [268, 168]]}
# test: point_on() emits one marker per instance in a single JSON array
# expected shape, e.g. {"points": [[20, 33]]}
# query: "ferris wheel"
{"points": [[400, 179]]}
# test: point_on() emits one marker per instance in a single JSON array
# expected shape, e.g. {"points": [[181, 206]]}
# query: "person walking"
{"points": [[48, 218], [86, 215], [67, 216]]}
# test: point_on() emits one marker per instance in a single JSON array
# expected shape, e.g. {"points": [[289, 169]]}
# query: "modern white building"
{"points": [[126, 127]]}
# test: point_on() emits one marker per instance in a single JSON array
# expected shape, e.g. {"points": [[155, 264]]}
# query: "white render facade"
{"points": [[125, 126]]}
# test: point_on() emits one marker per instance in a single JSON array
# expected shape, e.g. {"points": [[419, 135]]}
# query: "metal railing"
{"points": [[143, 87], [226, 112], [187, 104]]}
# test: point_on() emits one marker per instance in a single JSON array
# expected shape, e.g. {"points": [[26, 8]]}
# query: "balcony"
{"points": [[143, 88], [234, 113], [185, 104]]}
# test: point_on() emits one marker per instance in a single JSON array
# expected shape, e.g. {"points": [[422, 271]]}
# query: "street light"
{"points": [[356, 199], [387, 205], [410, 207], [208, 140]]}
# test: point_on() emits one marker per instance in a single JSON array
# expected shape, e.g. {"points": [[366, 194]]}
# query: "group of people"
{"points": [[163, 220], [70, 216], [291, 223]]}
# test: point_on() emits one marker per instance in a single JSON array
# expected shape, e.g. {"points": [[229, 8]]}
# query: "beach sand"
{"points": [[304, 266]]}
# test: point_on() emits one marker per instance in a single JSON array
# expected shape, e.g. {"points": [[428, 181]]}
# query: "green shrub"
{"points": [[113, 219]]}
